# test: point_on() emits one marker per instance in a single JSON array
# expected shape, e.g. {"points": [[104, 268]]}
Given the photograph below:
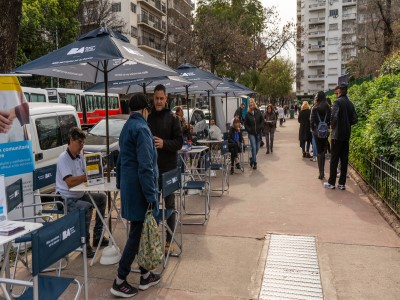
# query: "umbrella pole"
{"points": [[187, 104], [209, 109], [107, 129], [226, 111]]}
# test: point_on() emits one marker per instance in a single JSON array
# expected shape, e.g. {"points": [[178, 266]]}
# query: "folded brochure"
{"points": [[9, 228]]}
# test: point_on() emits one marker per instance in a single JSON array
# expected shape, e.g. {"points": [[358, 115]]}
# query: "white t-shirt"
{"points": [[68, 166], [281, 112]]}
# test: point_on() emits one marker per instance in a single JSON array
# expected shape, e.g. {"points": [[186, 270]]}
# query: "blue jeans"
{"points": [[314, 147], [255, 146], [130, 250], [86, 204]]}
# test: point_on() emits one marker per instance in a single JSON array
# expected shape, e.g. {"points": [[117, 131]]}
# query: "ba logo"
{"points": [[66, 234], [47, 175], [81, 50], [187, 74]]}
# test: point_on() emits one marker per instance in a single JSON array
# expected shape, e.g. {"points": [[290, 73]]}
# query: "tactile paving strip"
{"points": [[292, 270]]}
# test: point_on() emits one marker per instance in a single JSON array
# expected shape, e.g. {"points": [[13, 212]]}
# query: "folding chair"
{"points": [[171, 182], [50, 244], [223, 166], [246, 148], [202, 185]]}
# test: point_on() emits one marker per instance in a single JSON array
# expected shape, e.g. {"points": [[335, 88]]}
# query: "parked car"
{"points": [[96, 138]]}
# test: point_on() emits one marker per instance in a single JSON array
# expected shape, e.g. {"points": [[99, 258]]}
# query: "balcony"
{"points": [[316, 47], [320, 20], [319, 77], [147, 42], [347, 45], [348, 30], [180, 9], [155, 25], [349, 2], [155, 5], [318, 33], [315, 63], [350, 16], [317, 6]]}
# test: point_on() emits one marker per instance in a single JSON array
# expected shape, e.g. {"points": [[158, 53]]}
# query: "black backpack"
{"points": [[322, 128]]}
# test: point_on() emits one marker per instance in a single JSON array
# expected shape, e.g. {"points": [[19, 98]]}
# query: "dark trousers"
{"points": [[320, 145], [269, 138], [339, 151], [130, 250], [234, 150], [305, 146], [101, 200]]}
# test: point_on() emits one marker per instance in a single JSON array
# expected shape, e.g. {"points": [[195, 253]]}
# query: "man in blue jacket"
{"points": [[137, 178], [342, 118]]}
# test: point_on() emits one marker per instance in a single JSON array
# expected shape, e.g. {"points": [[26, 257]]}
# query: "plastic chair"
{"points": [[50, 244], [223, 166], [202, 185]]}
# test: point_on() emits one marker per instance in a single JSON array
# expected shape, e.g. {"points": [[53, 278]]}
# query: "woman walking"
{"points": [[270, 120], [305, 136], [253, 123], [320, 113]]}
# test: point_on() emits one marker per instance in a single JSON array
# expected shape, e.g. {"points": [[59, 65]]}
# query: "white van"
{"points": [[49, 126], [35, 94]]}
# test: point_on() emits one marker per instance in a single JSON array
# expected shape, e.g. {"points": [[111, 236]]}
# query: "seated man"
{"points": [[70, 173], [214, 132]]}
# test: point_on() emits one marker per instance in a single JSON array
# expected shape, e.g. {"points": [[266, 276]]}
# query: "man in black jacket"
{"points": [[168, 139], [343, 117], [239, 112]]}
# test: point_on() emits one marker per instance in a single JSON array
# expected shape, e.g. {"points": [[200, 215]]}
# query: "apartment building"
{"points": [[326, 41]]}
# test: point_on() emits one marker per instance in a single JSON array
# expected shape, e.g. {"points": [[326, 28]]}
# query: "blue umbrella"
{"points": [[140, 85], [100, 55]]}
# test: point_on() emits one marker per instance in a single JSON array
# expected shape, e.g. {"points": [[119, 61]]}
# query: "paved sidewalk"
{"points": [[358, 253]]}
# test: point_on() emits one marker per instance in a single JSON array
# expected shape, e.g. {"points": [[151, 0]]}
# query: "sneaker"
{"points": [[152, 280], [341, 187], [255, 166], [124, 290], [169, 247], [314, 159], [104, 242], [89, 251], [267, 152], [327, 185]]}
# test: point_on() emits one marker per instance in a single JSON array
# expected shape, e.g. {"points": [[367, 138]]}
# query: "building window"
{"points": [[333, 12], [334, 26], [133, 7], [116, 7], [134, 32]]}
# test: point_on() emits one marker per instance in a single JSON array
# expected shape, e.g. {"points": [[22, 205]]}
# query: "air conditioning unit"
{"points": [[323, 51]]}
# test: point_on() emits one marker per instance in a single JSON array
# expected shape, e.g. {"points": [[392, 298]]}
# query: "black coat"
{"points": [[324, 111], [166, 125], [231, 136], [305, 128], [270, 121], [343, 117], [254, 123]]}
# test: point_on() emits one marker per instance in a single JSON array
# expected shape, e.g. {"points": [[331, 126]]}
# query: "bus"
{"points": [[89, 106], [35, 94]]}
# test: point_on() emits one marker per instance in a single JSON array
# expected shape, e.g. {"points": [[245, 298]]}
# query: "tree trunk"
{"points": [[11, 11], [388, 31]]}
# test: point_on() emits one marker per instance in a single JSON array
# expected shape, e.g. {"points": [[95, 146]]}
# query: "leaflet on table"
{"points": [[94, 168]]}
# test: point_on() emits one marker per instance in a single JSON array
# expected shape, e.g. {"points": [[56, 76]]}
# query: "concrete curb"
{"points": [[377, 201]]}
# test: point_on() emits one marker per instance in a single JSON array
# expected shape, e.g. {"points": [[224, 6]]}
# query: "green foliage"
{"points": [[378, 132], [391, 65], [46, 25]]}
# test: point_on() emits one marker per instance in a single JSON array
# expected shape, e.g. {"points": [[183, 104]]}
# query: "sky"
{"points": [[287, 10]]}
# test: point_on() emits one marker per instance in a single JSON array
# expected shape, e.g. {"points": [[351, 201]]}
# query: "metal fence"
{"points": [[384, 179]]}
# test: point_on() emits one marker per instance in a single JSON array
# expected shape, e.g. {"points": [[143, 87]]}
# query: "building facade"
{"points": [[326, 41]]}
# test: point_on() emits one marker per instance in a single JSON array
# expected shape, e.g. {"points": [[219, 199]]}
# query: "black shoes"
{"points": [[104, 242], [123, 290], [89, 251], [267, 152], [255, 166], [152, 280], [232, 170]]}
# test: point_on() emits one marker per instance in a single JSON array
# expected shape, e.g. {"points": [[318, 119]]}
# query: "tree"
{"points": [[9, 32], [92, 14], [276, 80]]}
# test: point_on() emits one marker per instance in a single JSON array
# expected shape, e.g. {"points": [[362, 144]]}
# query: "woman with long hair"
{"points": [[320, 113], [253, 123], [305, 136], [270, 120]]}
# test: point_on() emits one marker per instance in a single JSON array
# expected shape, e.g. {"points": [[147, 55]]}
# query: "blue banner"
{"points": [[16, 158]]}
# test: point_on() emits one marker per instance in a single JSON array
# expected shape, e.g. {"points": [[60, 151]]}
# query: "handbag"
{"points": [[150, 254]]}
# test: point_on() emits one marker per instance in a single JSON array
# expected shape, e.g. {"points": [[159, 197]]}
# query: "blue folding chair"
{"points": [[223, 166], [51, 243], [171, 182], [202, 185]]}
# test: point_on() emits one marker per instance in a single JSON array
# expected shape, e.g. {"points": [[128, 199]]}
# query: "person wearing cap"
{"points": [[342, 118], [137, 179], [168, 139], [70, 173]]}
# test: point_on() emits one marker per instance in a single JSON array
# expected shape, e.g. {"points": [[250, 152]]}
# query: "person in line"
{"points": [[305, 130], [137, 178], [320, 112], [239, 112], [179, 114], [235, 140], [281, 115], [270, 120], [253, 123], [343, 117], [313, 142], [168, 139], [70, 173]]}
